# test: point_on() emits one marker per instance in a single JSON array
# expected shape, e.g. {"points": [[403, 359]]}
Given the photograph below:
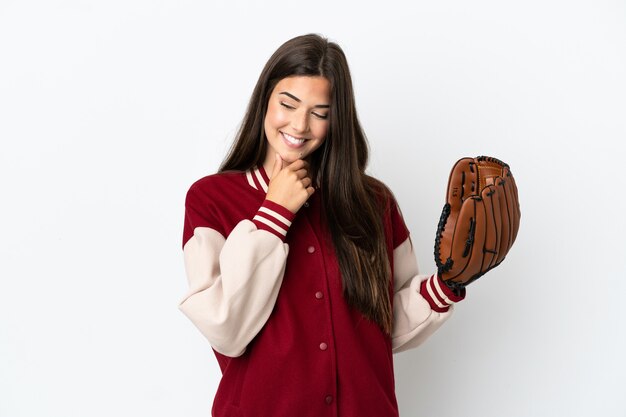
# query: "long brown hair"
{"points": [[353, 202]]}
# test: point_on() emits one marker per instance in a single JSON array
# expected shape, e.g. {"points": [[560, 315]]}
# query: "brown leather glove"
{"points": [[479, 221]]}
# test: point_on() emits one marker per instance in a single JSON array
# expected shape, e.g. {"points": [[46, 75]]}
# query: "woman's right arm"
{"points": [[233, 281]]}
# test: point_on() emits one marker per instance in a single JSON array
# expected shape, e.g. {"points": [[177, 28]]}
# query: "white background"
{"points": [[110, 110]]}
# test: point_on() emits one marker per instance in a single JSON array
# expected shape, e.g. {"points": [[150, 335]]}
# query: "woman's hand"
{"points": [[290, 186]]}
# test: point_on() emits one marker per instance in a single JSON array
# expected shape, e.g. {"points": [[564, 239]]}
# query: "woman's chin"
{"points": [[291, 157]]}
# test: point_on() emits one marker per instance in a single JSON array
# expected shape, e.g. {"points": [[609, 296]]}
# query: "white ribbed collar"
{"points": [[257, 178]]}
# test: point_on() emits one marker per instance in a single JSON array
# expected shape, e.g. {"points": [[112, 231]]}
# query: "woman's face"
{"points": [[297, 118]]}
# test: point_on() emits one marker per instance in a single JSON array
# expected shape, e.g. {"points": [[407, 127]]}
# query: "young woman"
{"points": [[302, 275]]}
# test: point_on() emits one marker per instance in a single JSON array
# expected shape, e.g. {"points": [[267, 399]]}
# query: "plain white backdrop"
{"points": [[109, 111]]}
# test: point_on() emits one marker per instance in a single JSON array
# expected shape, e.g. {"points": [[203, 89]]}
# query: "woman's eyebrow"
{"points": [[322, 106]]}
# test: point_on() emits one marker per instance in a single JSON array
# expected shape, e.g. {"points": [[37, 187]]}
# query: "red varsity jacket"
{"points": [[266, 292]]}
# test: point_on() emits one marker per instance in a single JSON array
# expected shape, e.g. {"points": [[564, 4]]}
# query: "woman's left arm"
{"points": [[421, 303]]}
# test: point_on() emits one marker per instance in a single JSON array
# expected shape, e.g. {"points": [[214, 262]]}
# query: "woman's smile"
{"points": [[292, 141]]}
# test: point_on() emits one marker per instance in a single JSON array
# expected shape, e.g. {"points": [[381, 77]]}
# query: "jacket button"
{"points": [[306, 204], [319, 295], [328, 399], [323, 346], [310, 249]]}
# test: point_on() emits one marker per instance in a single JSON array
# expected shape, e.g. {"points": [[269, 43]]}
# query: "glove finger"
{"points": [[505, 231], [493, 227], [483, 227], [473, 258], [459, 248], [513, 204], [462, 183]]}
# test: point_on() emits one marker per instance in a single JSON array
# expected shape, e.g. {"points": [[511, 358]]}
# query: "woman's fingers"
{"points": [[301, 173], [298, 164], [306, 181], [300, 168]]}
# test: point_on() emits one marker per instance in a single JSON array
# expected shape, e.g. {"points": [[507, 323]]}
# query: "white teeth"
{"points": [[292, 139]]}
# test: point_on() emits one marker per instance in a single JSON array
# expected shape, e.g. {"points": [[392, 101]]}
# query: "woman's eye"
{"points": [[319, 116]]}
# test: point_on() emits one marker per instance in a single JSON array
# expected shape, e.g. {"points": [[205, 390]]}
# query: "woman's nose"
{"points": [[300, 121]]}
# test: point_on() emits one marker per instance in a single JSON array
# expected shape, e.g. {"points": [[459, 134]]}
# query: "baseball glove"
{"points": [[479, 221]]}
